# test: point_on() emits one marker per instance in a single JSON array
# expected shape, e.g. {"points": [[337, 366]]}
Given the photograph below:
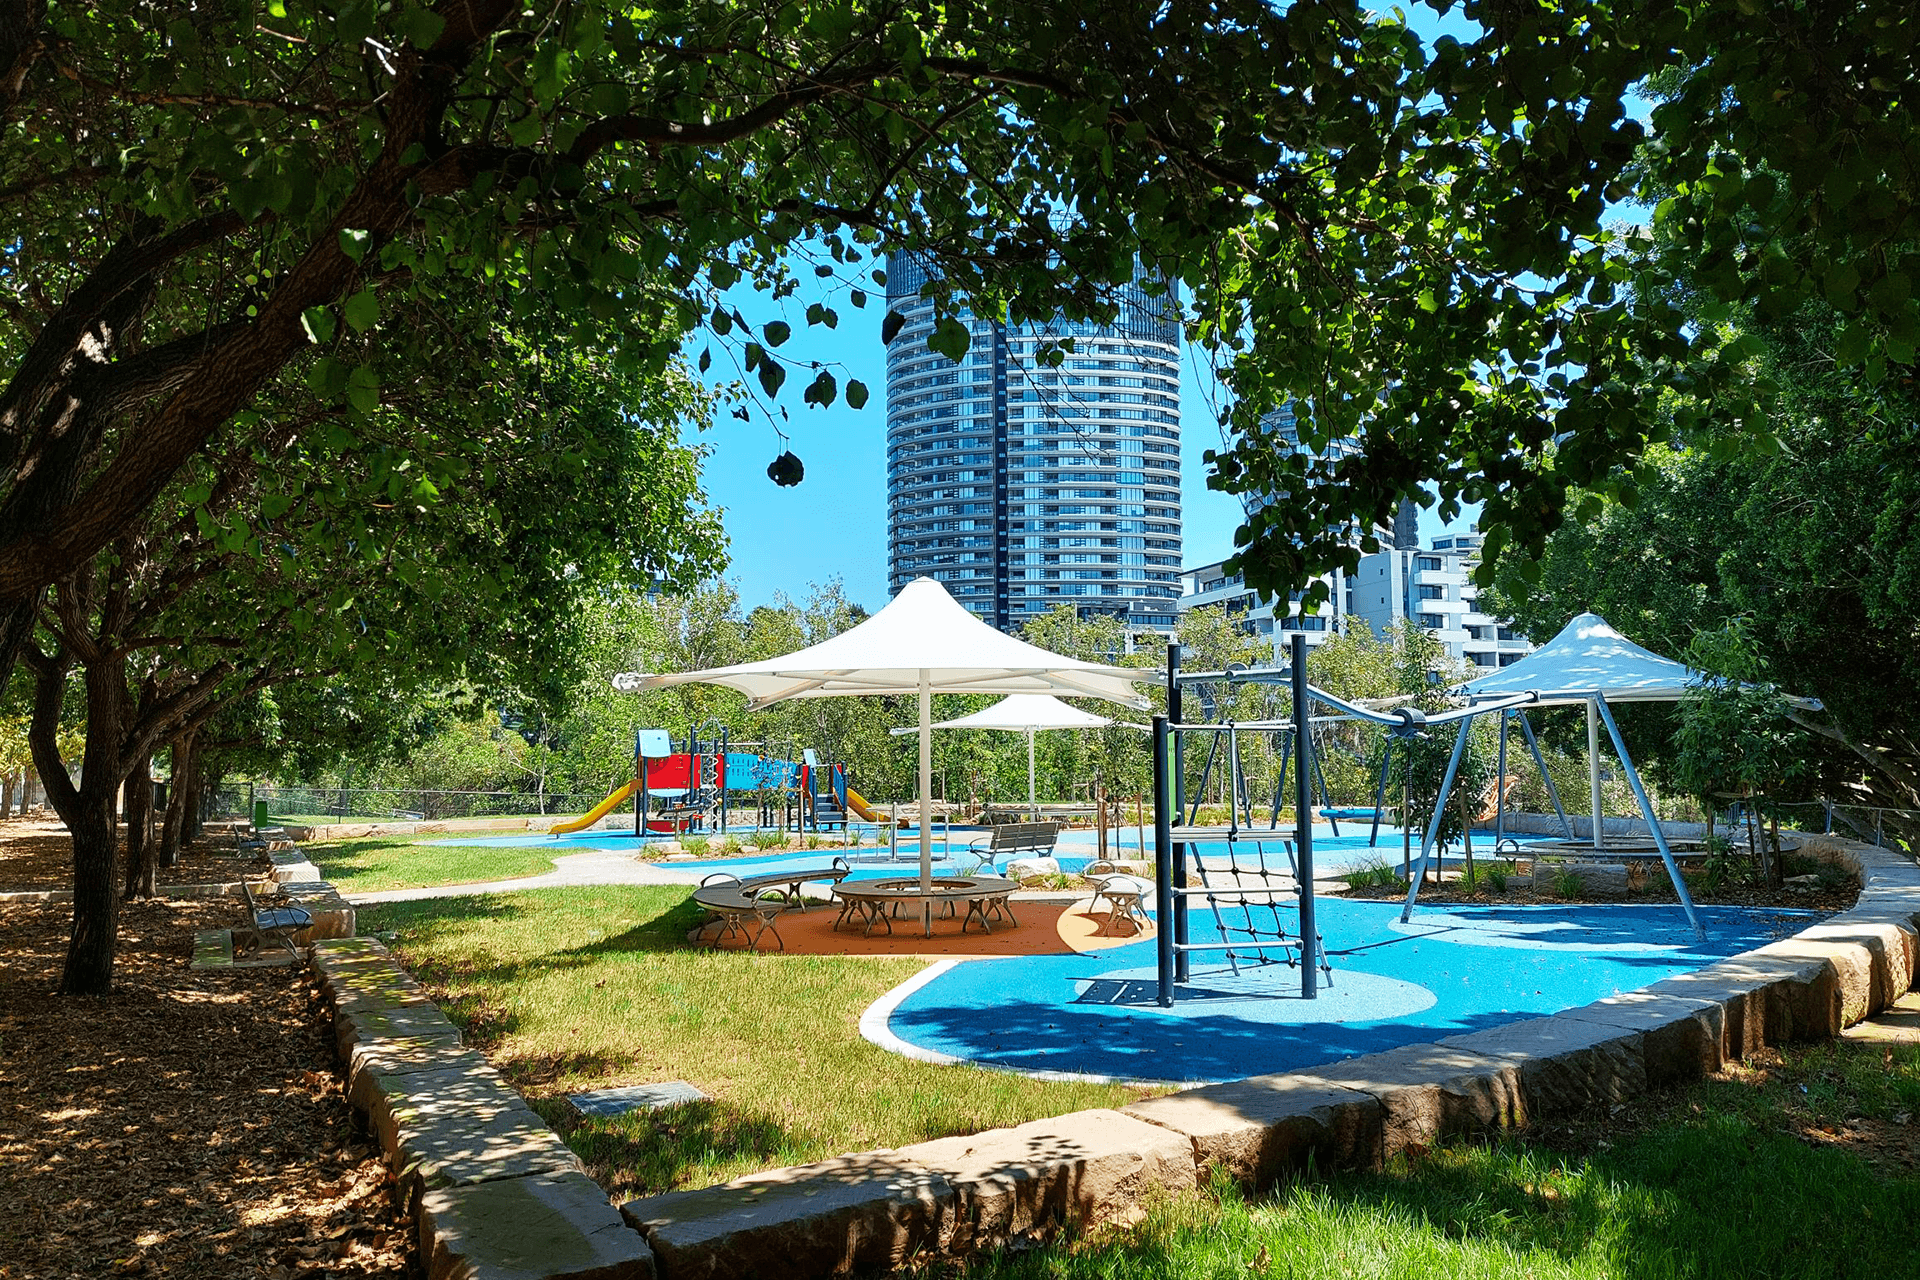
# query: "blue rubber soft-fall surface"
{"points": [[1449, 971]]}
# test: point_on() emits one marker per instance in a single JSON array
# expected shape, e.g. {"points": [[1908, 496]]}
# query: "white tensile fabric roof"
{"points": [[923, 630], [1589, 657]]}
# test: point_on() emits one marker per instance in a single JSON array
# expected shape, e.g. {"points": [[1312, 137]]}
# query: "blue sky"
{"points": [[834, 523]]}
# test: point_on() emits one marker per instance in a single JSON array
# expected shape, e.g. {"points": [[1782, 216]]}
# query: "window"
{"points": [[1432, 621], [1426, 562], [1433, 593]]}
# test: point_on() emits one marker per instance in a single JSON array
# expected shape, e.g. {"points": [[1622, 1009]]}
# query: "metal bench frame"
{"points": [[1014, 837], [278, 923]]}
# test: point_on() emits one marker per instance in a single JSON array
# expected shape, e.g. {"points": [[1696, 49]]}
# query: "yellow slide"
{"points": [[598, 811], [861, 809]]}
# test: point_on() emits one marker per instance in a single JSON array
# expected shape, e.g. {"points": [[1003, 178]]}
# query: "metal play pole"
{"points": [[1500, 788], [1303, 821], [1380, 792], [1439, 812], [1163, 864], [1177, 761]]}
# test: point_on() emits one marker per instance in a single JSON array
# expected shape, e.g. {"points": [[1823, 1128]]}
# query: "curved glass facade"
{"points": [[1020, 487]]}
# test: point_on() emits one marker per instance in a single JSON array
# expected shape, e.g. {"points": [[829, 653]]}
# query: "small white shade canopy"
{"points": [[1589, 657], [1028, 713], [1590, 662], [1033, 712], [924, 642]]}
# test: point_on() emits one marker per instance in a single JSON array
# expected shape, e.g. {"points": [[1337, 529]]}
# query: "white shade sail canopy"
{"points": [[922, 643], [922, 635], [1589, 657], [1030, 712]]}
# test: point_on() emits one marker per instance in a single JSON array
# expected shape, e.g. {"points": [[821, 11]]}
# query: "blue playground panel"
{"points": [[1446, 973]]}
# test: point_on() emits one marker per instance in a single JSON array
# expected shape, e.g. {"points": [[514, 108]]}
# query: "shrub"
{"points": [[1498, 875], [1568, 884], [695, 845]]}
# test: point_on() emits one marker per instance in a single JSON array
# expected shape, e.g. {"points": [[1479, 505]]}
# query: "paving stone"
{"points": [[333, 916], [212, 949], [1897, 1024], [869, 1211], [551, 1227], [467, 1090], [1263, 1128], [1087, 1167], [458, 1150], [406, 1023], [1889, 942], [1431, 1091], [1682, 1036], [1830, 987], [1565, 1064], [635, 1097], [373, 1061]]}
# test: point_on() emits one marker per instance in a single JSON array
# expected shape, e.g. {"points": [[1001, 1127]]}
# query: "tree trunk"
{"points": [[26, 789], [197, 802], [141, 853], [87, 810], [173, 831], [6, 795]]}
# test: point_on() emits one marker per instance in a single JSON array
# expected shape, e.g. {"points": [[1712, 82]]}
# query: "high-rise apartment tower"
{"points": [[1020, 487]]}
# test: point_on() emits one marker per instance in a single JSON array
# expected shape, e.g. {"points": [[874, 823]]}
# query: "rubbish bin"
{"points": [[259, 814]]}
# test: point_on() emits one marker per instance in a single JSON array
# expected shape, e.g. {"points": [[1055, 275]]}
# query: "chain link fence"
{"points": [[310, 806]]}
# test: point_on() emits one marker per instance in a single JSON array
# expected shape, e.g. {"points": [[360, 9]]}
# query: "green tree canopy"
{"points": [[205, 201]]}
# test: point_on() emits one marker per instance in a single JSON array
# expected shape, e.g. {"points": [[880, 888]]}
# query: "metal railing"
{"points": [[317, 805]]}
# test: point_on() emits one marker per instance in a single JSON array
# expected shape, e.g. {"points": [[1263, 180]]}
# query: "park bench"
{"points": [[278, 923], [1013, 837], [735, 901]]}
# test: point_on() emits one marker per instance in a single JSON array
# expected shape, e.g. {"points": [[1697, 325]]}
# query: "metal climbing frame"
{"points": [[1173, 842]]}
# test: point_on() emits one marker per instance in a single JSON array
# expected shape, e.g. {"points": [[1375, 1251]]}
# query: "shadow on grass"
{"points": [[644, 1153], [1726, 1189]]}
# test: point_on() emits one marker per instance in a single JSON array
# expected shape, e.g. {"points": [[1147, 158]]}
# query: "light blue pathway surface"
{"points": [[1451, 970]]}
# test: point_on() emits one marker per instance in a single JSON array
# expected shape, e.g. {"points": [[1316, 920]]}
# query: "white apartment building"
{"points": [[1211, 584], [1434, 586]]}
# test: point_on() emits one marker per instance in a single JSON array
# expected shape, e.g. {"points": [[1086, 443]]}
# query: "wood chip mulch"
{"points": [[36, 853], [189, 1124]]}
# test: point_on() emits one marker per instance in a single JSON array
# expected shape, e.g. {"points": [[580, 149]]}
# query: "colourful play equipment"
{"points": [[704, 783]]}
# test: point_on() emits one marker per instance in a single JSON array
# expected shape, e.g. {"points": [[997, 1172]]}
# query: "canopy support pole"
{"points": [[1540, 763], [1653, 823], [926, 798], [1033, 810], [1593, 768], [1433, 825]]}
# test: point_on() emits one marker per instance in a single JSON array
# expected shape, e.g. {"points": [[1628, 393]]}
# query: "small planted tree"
{"points": [[1735, 736]]}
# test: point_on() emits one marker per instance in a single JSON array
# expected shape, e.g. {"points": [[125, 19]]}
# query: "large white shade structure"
{"points": [[1028, 713], [922, 643]]}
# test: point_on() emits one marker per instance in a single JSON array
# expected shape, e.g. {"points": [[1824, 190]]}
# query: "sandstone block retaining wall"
{"points": [[496, 1193]]}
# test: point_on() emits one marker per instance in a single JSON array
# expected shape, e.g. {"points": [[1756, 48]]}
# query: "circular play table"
{"points": [[874, 901]]}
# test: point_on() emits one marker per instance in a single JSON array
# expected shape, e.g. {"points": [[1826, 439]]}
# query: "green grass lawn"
{"points": [[411, 862], [581, 988], [1804, 1168]]}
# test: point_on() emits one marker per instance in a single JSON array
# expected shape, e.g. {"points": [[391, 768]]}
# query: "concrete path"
{"points": [[1898, 1023], [596, 867]]}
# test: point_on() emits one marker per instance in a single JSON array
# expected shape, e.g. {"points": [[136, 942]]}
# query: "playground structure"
{"points": [[706, 783]]}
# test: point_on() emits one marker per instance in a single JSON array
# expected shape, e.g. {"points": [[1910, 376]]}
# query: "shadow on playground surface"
{"points": [[1445, 973]]}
